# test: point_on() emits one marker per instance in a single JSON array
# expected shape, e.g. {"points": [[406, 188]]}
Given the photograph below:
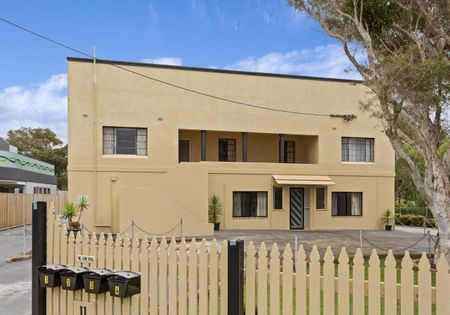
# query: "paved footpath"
{"points": [[15, 278]]}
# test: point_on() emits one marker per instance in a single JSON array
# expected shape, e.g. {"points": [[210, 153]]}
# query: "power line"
{"points": [[55, 42]]}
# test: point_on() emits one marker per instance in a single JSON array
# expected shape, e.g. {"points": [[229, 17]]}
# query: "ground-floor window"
{"points": [[321, 198], [249, 204], [347, 203], [278, 198]]}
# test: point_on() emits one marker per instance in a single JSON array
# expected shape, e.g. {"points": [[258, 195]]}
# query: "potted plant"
{"points": [[388, 216], [214, 211], [69, 212]]}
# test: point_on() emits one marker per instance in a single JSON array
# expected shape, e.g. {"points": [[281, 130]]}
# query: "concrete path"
{"points": [[15, 278], [415, 229], [381, 240]]}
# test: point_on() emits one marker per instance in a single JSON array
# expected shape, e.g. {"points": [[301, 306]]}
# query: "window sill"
{"points": [[247, 218], [321, 210], [347, 216], [124, 156], [362, 163]]}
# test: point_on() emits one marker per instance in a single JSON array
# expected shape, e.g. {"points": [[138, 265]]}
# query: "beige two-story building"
{"points": [[151, 143]]}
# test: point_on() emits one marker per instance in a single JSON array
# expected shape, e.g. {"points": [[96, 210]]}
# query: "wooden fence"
{"points": [[191, 278], [176, 277], [15, 209]]}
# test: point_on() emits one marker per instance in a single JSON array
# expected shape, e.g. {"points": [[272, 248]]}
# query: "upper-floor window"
{"points": [[227, 150], [289, 152], [130, 141], [357, 149]]}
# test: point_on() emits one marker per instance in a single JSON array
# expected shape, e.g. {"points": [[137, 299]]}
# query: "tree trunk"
{"points": [[440, 209]]}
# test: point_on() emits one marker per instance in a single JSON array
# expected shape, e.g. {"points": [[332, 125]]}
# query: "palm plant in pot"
{"points": [[388, 217], [214, 211], [69, 212]]}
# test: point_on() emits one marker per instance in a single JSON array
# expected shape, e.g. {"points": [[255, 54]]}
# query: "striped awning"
{"points": [[309, 180]]}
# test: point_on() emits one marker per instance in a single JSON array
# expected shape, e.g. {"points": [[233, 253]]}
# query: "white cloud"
{"points": [[36, 105], [172, 61], [322, 61]]}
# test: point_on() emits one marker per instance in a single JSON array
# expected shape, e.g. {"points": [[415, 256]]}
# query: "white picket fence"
{"points": [[191, 278]]}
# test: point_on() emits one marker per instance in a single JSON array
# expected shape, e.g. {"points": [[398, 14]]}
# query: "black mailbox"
{"points": [[124, 284], [72, 278], [49, 275], [96, 280]]}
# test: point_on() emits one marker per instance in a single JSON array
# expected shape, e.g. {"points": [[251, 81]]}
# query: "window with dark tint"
{"points": [[250, 204], [184, 150], [129, 141], [227, 150], [289, 152], [347, 203], [357, 149], [321, 198], [278, 198]]}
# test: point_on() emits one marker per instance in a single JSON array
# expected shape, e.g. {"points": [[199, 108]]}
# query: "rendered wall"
{"points": [[121, 99]]}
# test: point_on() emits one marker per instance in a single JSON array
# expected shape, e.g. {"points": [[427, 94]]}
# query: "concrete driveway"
{"points": [[397, 240], [15, 278]]}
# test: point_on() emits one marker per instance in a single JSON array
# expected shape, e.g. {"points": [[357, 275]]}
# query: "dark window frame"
{"points": [[248, 215], [289, 151], [277, 204], [347, 212], [324, 198], [346, 155], [229, 155], [138, 147]]}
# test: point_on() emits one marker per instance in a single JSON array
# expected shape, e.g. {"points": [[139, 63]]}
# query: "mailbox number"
{"points": [[91, 285], [45, 279], [68, 282], [117, 290]]}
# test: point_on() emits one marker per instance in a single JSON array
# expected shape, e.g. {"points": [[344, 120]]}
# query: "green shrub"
{"points": [[413, 220]]}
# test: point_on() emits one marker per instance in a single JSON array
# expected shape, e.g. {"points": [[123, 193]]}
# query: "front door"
{"points": [[296, 209], [184, 151]]}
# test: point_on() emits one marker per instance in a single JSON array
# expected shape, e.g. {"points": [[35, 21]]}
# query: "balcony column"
{"points": [[244, 146], [203, 145], [281, 146]]}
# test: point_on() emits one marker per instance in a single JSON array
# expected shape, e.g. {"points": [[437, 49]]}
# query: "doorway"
{"points": [[297, 218]]}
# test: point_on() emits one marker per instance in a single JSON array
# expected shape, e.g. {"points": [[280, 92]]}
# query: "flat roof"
{"points": [[161, 66]]}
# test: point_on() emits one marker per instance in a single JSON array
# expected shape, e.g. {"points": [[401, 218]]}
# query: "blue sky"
{"points": [[264, 35]]}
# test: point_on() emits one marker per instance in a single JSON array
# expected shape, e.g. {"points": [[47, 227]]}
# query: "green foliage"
{"points": [[82, 205], [388, 216], [411, 207], [379, 15], [44, 145], [214, 209], [414, 220], [69, 211]]}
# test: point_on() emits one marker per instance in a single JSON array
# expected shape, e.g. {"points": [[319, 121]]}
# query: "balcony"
{"points": [[226, 146]]}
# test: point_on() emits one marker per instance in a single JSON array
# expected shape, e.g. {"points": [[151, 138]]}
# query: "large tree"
{"points": [[44, 145], [401, 48]]}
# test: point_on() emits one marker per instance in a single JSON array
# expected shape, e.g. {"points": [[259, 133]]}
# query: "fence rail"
{"points": [[15, 209]]}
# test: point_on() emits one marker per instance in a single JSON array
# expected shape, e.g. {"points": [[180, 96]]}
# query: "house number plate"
{"points": [[85, 259]]}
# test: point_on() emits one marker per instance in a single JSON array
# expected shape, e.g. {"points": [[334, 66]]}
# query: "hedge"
{"points": [[413, 220]]}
